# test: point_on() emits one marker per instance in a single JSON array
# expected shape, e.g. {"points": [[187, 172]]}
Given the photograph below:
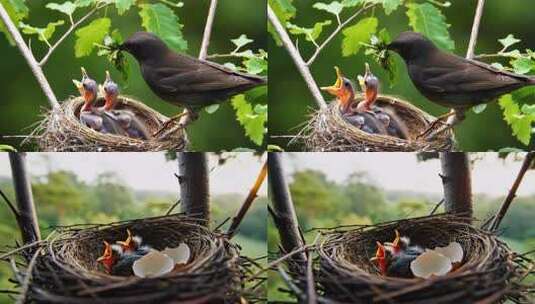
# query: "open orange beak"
{"points": [[396, 243], [128, 244], [336, 88]]}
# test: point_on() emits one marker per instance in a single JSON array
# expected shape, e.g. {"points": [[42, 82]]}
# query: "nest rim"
{"points": [[385, 289], [328, 131], [60, 130]]}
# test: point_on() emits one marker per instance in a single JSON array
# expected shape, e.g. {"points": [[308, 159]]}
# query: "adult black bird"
{"points": [[452, 81], [183, 80]]}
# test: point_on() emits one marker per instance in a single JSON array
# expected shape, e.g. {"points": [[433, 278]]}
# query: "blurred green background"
{"points": [[22, 99], [291, 102], [322, 200], [64, 198]]}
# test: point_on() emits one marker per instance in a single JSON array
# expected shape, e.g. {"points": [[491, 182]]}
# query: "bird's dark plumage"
{"points": [[450, 80], [183, 80]]}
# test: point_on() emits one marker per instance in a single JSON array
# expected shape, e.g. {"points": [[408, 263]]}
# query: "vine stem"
{"points": [[475, 29], [30, 59], [208, 30], [340, 26], [296, 57]]}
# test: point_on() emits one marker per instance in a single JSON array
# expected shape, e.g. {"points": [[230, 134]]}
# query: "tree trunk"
{"points": [[23, 192], [194, 185], [283, 211], [456, 180]]}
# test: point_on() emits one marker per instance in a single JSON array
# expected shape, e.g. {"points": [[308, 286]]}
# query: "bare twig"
{"points": [[248, 201], [27, 278], [312, 297], [30, 59], [528, 160], [475, 29], [10, 205], [297, 58], [208, 30], [340, 26], [172, 207]]}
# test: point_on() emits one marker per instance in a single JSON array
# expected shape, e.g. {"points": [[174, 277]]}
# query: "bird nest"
{"points": [[61, 130], [329, 131], [66, 268], [489, 273]]}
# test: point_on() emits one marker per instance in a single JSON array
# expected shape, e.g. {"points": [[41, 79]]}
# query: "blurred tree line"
{"points": [[323, 203], [61, 198]]}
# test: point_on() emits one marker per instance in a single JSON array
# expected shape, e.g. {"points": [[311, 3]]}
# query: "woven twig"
{"points": [[329, 131], [61, 130]]}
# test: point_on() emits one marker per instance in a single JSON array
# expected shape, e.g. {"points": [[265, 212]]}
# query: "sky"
{"points": [[402, 171], [145, 171]]}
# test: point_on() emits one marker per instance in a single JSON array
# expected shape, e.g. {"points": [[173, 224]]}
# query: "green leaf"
{"points": [[124, 5], [522, 65], [43, 33], [352, 3], [255, 65], [284, 10], [241, 41], [425, 18], [7, 148], [520, 123], [84, 3], [252, 122], [310, 33], [508, 41], [67, 8], [357, 34], [162, 21], [479, 108], [211, 108], [334, 7], [17, 11], [391, 5], [87, 36]]}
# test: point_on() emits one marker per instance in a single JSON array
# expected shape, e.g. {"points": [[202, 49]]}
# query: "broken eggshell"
{"points": [[153, 264], [454, 251], [430, 263], [180, 254]]}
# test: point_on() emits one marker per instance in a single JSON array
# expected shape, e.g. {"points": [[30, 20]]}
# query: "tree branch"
{"points": [[29, 227], [456, 180], [475, 29], [248, 201], [298, 60], [528, 160], [194, 185], [30, 59], [335, 32], [208, 30], [284, 215]]}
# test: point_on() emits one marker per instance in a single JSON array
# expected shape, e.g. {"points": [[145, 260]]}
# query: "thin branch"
{"points": [[10, 205], [248, 201], [67, 33], [528, 160], [28, 278], [208, 30], [312, 297], [475, 29], [30, 59], [296, 56], [335, 32], [172, 207]]}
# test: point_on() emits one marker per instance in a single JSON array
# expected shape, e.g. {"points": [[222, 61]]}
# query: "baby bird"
{"points": [[394, 258], [127, 120], [88, 90], [133, 244]]}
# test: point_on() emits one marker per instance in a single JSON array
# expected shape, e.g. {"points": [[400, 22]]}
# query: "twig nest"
{"points": [[61, 130], [488, 271], [328, 130], [67, 271]]}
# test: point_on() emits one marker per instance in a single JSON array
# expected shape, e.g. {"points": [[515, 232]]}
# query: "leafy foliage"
{"points": [[17, 11], [162, 21], [357, 34], [44, 34], [427, 19], [252, 119], [90, 35]]}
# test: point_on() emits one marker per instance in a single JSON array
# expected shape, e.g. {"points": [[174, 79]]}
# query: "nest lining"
{"points": [[61, 130], [66, 270], [489, 273], [328, 131]]}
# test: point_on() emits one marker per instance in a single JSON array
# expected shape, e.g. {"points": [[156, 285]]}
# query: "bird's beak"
{"points": [[108, 77], [84, 72], [79, 86], [336, 88], [395, 244]]}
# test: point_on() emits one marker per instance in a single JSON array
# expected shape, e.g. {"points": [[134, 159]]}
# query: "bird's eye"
{"points": [[347, 84]]}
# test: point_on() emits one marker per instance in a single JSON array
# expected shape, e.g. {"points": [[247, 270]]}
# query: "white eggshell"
{"points": [[454, 251], [430, 263], [180, 254], [153, 264]]}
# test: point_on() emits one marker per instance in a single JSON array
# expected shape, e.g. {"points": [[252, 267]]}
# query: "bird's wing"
{"points": [[189, 75], [455, 75]]}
